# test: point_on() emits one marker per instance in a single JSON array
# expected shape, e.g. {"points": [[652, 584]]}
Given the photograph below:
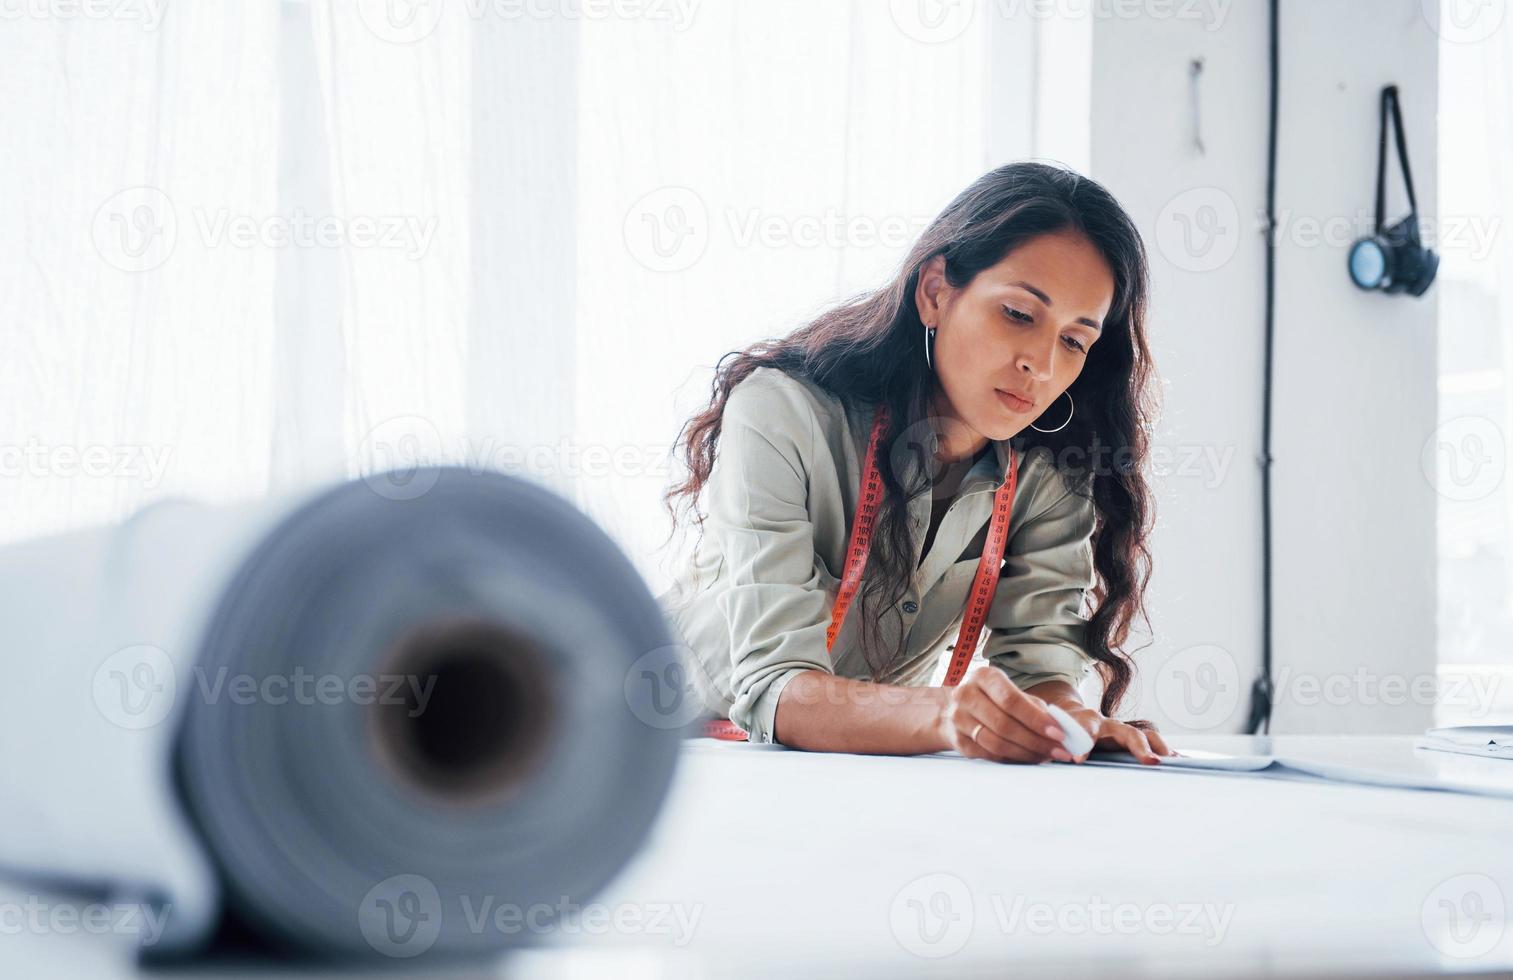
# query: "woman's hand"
{"points": [[1140, 739], [987, 716]]}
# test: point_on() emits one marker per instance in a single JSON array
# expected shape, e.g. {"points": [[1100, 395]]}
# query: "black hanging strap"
{"points": [[1389, 101]]}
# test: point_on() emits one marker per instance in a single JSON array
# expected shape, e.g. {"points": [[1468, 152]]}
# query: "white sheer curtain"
{"points": [[136, 357], [777, 157], [238, 241], [252, 246], [1468, 455]]}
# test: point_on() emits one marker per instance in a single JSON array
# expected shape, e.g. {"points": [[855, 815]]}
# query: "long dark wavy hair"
{"points": [[869, 351]]}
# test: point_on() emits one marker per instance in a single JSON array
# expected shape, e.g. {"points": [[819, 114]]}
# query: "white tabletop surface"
{"points": [[771, 862]]}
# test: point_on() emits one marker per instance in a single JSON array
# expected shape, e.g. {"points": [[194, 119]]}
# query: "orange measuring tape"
{"points": [[859, 544]]}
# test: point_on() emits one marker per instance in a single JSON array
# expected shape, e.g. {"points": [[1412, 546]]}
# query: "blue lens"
{"points": [[1368, 264]]}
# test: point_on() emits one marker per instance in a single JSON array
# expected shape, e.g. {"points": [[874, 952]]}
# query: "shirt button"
{"points": [[911, 607]]}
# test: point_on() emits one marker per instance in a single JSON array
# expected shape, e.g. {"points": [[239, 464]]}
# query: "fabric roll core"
{"points": [[475, 710]]}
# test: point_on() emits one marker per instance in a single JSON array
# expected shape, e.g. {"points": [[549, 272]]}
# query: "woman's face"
{"points": [[1023, 327]]}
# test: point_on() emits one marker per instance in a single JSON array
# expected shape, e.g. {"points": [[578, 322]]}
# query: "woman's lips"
{"points": [[1013, 402]]}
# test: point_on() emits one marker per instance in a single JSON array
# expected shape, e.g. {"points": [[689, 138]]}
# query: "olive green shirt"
{"points": [[754, 604]]}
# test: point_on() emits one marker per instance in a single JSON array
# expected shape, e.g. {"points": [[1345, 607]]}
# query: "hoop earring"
{"points": [[929, 343], [1069, 414]]}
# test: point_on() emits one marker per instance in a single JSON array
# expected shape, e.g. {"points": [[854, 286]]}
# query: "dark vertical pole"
{"points": [[1261, 692]]}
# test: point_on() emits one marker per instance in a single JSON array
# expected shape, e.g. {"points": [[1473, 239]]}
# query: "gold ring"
{"points": [[977, 731]]}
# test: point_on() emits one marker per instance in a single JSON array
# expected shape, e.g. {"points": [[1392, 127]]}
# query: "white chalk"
{"points": [[1078, 740]]}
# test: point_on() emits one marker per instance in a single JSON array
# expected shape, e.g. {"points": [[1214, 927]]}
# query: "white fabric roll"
{"points": [[345, 718]]}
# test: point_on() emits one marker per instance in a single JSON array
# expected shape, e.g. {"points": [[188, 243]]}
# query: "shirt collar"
{"points": [[989, 472]]}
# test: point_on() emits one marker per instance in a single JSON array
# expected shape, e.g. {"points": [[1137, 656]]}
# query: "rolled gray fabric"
{"points": [[350, 719]]}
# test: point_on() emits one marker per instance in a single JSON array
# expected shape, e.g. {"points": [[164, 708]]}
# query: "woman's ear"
{"points": [[929, 291]]}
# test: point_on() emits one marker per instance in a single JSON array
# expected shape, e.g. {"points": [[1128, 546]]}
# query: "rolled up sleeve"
{"points": [[1036, 631], [775, 606]]}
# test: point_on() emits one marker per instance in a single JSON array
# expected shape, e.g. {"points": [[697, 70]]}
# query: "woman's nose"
{"points": [[1036, 360]]}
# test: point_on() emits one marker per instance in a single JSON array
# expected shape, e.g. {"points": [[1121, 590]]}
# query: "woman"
{"points": [[1004, 368]]}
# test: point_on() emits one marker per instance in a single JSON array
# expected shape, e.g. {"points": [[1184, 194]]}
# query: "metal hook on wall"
{"points": [[1194, 74]]}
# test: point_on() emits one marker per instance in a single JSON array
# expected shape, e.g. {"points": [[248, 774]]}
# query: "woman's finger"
{"points": [[1029, 709], [1016, 741], [1133, 740], [1006, 726], [999, 747], [1157, 743], [980, 742]]}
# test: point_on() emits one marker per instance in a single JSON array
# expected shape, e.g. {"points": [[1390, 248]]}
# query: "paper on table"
{"points": [[1381, 766], [1491, 741], [1393, 764], [1191, 759]]}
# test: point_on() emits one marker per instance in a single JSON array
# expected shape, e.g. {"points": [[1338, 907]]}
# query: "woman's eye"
{"points": [[1018, 315], [1074, 343]]}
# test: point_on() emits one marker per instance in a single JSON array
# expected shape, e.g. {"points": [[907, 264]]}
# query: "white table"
{"points": [[801, 864], [770, 862]]}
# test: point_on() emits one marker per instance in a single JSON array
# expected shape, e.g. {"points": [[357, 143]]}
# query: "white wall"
{"points": [[1353, 531], [1355, 552]]}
